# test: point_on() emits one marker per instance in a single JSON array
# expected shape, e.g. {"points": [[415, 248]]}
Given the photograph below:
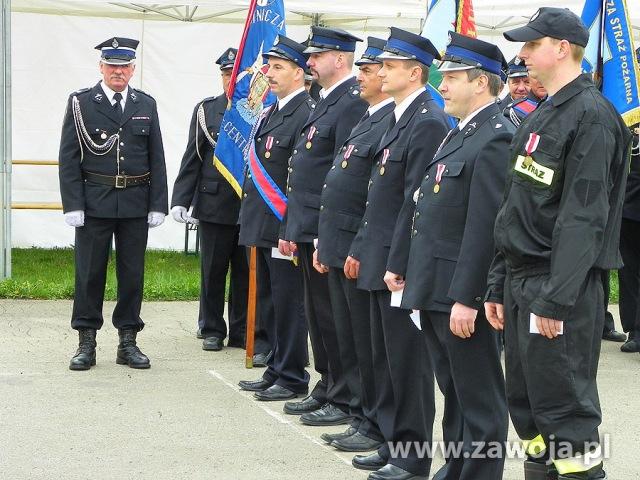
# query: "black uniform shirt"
{"points": [[562, 210]]}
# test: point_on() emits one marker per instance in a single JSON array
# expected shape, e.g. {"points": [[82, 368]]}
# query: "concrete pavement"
{"points": [[185, 418]]}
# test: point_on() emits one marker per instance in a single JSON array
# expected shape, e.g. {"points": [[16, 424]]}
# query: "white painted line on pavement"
{"points": [[280, 417]]}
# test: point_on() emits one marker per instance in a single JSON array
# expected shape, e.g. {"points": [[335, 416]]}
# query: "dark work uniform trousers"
{"points": [[629, 275], [470, 377], [404, 404], [219, 249], [281, 280], [551, 384], [350, 307], [332, 386], [93, 242]]}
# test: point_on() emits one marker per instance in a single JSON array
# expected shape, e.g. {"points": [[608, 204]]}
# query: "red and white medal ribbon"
{"points": [[385, 155], [269, 143], [440, 170], [347, 153], [532, 143], [312, 132]]}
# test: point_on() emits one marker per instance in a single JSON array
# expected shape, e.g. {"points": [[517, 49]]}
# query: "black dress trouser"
{"points": [[93, 242], [629, 275]]}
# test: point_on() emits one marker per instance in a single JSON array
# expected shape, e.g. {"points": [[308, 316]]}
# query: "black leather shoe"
{"points": [[199, 334], [368, 462], [614, 336], [330, 437], [391, 472], [259, 385], [260, 359], [328, 414], [630, 346], [539, 471], [128, 351], [356, 443], [85, 356], [275, 393], [306, 405], [212, 344], [596, 473]]}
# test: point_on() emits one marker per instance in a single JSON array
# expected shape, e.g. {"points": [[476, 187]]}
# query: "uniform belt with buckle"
{"points": [[117, 181]]}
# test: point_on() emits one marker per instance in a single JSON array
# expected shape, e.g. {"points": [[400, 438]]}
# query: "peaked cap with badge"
{"points": [[516, 68], [227, 59], [287, 49], [374, 49], [466, 53], [403, 45], [118, 50], [323, 39]]}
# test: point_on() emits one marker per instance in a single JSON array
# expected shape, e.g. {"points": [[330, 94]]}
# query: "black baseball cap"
{"points": [[558, 23]]}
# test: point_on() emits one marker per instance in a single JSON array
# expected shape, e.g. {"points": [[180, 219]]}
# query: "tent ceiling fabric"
{"points": [[491, 15]]}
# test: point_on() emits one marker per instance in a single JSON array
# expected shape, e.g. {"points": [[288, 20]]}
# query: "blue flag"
{"points": [[249, 90], [610, 55]]}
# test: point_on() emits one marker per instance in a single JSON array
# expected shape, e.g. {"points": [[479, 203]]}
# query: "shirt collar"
{"points": [[463, 123], [110, 93], [571, 89], [283, 101], [403, 105], [374, 108], [325, 92]]}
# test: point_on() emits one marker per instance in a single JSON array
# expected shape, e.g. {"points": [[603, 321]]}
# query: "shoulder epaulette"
{"points": [[354, 91], [209, 99], [311, 102], [82, 90], [497, 123], [143, 92]]}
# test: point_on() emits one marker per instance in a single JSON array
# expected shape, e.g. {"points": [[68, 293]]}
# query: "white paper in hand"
{"points": [[275, 253], [396, 298], [533, 326], [415, 317]]}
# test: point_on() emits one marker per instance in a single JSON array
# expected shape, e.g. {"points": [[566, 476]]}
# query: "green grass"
{"points": [[48, 274]]}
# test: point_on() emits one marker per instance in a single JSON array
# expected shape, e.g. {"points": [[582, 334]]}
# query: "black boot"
{"points": [[539, 470], [85, 356], [128, 351]]}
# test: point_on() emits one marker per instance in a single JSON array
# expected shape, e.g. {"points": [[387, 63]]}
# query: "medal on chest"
{"points": [[530, 147], [268, 145], [312, 132], [439, 171], [385, 156], [346, 156]]}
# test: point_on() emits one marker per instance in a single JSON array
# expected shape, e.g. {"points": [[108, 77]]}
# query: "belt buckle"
{"points": [[121, 181]]}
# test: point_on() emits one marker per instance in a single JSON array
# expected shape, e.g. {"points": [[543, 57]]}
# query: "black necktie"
{"points": [[449, 136], [117, 108], [273, 111]]}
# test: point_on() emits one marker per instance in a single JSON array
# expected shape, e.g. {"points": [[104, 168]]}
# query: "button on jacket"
{"points": [[259, 227], [404, 152], [562, 209], [317, 145], [452, 229], [139, 147], [199, 182], [345, 189]]}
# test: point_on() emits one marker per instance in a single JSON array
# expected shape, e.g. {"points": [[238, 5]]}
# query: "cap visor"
{"points": [[275, 55], [117, 61], [448, 66], [391, 56], [367, 61], [523, 34], [518, 74], [316, 50], [228, 66]]}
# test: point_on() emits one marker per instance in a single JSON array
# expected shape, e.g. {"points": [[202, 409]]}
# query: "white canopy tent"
{"points": [[52, 54]]}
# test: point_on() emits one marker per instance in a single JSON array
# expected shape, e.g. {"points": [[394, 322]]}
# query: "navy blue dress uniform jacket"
{"points": [[199, 182], [345, 189], [333, 118], [259, 227], [141, 152], [452, 230], [411, 144]]}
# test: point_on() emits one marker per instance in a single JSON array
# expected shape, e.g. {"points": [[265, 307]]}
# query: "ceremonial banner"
{"points": [[610, 55], [249, 90]]}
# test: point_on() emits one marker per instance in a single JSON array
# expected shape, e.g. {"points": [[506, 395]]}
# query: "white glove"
{"points": [[75, 218], [155, 219], [179, 214], [193, 220]]}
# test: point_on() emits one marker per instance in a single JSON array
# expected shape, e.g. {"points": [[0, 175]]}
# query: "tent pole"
{"points": [[5, 139]]}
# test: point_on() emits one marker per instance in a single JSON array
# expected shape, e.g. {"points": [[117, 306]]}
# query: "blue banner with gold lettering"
{"points": [[249, 90], [610, 54]]}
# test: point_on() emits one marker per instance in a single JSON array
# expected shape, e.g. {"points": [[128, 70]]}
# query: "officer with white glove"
{"points": [[155, 219], [75, 218]]}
